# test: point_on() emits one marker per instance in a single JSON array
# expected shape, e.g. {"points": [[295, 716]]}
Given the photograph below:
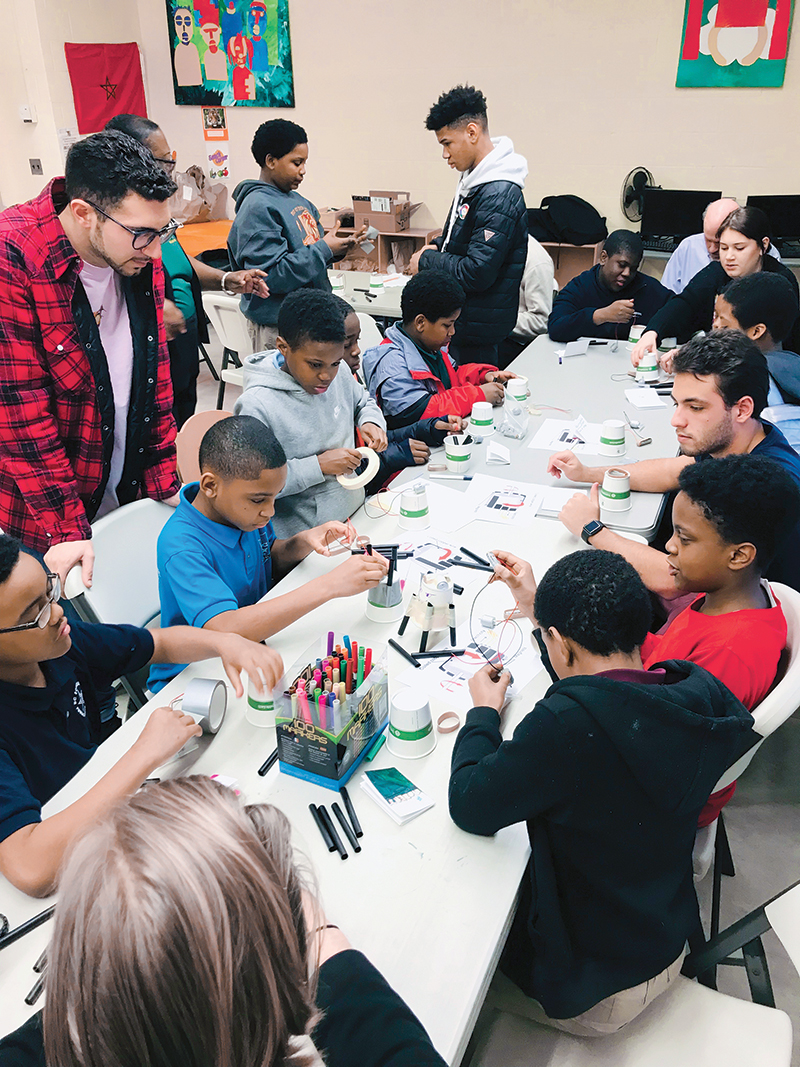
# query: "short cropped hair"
{"points": [[735, 361], [460, 106], [763, 298], [432, 293], [136, 126], [240, 446], [276, 138], [345, 308], [10, 549], [310, 315], [620, 242], [597, 600], [106, 166], [747, 499]]}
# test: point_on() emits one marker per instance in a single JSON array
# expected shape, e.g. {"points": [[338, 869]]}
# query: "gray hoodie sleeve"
{"points": [[258, 240], [301, 473], [366, 408]]}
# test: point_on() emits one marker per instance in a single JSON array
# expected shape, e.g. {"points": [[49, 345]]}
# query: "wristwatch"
{"points": [[591, 528]]}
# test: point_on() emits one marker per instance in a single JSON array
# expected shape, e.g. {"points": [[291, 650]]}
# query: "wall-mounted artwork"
{"points": [[735, 43], [235, 53]]}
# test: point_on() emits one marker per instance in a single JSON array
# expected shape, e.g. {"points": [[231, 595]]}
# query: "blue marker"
{"points": [[348, 646]]}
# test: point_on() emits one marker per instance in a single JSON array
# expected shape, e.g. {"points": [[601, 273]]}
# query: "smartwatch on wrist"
{"points": [[592, 528]]}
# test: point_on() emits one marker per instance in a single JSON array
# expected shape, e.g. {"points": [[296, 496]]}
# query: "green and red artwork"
{"points": [[235, 53], [735, 43]]}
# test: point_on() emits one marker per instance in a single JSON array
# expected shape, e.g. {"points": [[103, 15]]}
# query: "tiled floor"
{"points": [[763, 821]]}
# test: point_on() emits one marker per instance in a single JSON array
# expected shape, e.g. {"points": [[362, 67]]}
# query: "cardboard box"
{"points": [[389, 211], [327, 754]]}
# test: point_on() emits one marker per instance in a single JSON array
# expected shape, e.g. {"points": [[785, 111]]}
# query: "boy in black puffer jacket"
{"points": [[485, 238]]}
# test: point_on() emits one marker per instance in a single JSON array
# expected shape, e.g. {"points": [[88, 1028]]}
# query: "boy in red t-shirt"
{"points": [[728, 520]]}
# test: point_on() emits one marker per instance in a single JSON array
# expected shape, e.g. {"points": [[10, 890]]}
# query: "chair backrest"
{"points": [[227, 319], [188, 441], [125, 580], [783, 914], [784, 698], [370, 332]]}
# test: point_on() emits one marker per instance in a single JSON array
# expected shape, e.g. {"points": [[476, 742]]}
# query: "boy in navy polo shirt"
{"points": [[50, 673], [218, 555]]}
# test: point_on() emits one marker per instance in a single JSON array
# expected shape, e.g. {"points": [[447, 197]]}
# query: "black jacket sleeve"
{"points": [[25, 1047], [691, 310], [365, 1023]]}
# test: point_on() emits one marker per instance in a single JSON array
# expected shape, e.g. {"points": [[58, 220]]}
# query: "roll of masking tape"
{"points": [[364, 472]]}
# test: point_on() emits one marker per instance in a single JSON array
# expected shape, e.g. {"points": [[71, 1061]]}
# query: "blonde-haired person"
{"points": [[187, 917]]}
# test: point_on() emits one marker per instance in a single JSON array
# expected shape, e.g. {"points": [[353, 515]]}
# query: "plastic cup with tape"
{"points": [[458, 452], [260, 707], [482, 419], [612, 438], [385, 602], [667, 344], [615, 492], [410, 734], [647, 371], [517, 388], [635, 334], [205, 699], [414, 512]]}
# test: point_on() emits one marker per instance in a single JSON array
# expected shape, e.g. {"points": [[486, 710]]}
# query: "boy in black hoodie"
{"points": [[610, 771]]}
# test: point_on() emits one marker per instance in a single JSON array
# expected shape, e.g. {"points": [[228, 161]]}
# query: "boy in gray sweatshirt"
{"points": [[312, 410]]}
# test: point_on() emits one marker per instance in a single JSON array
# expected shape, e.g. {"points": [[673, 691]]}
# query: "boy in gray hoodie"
{"points": [[312, 410], [279, 231]]}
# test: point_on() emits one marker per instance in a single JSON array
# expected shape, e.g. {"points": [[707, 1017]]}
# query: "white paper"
{"points": [[554, 497], [434, 551], [497, 453], [644, 398], [555, 435], [448, 679], [576, 348], [501, 501]]}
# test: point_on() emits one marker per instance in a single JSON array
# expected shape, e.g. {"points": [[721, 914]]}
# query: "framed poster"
{"points": [[231, 53], [734, 43]]}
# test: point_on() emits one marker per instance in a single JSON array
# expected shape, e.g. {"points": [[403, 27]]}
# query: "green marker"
{"points": [[373, 752]]}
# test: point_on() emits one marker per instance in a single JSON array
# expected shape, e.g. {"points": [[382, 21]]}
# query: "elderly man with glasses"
{"points": [[85, 397]]}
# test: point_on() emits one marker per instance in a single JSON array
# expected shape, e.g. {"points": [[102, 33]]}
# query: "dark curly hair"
{"points": [[105, 167], [10, 549], [461, 105], [240, 447], [276, 138], [763, 298], [310, 315], [597, 600], [432, 293], [746, 499], [624, 241], [734, 360]]}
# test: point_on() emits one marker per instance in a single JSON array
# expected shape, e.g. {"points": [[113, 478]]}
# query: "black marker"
{"points": [[270, 762], [474, 556], [351, 837], [323, 829], [36, 992], [406, 655], [26, 927], [337, 841], [440, 653], [351, 811]]}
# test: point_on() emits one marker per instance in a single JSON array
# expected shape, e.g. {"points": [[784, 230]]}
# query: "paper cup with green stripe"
{"points": [[458, 452], [414, 513], [612, 438], [482, 420], [615, 492], [410, 734]]}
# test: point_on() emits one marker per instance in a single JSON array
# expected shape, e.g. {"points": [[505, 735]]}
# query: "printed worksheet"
{"points": [[505, 502]]}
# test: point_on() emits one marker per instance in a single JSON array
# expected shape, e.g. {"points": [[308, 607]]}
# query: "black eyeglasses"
{"points": [[142, 236], [42, 619], [167, 165]]}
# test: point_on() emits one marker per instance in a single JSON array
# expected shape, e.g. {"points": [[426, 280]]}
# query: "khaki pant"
{"points": [[607, 1017], [263, 337]]}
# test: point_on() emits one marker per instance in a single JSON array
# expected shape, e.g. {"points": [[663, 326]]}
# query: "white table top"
{"points": [[429, 904], [386, 304]]}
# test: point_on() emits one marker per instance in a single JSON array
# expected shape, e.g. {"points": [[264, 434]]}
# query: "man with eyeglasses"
{"points": [[85, 397]]}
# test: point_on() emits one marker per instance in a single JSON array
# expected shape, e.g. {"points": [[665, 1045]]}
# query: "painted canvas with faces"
{"points": [[734, 43], [234, 53]]}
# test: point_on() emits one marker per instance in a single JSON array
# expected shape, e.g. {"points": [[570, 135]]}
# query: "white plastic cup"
{"points": [[612, 438], [635, 334], [458, 453], [376, 285], [385, 602], [205, 699], [615, 492], [647, 371], [337, 285], [517, 388], [414, 513], [410, 734], [482, 419], [260, 707]]}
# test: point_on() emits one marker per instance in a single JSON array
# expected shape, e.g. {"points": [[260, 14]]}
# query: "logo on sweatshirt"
{"points": [[488, 235], [463, 211], [308, 227], [78, 702]]}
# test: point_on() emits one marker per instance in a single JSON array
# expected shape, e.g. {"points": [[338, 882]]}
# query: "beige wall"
{"points": [[584, 87]]}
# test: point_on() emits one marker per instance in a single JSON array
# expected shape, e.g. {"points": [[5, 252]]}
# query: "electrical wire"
{"points": [[498, 665]]}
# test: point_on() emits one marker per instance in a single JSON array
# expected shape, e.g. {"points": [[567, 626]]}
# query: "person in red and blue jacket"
{"points": [[410, 373]]}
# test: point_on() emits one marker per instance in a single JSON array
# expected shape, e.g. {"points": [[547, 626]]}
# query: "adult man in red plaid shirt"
{"points": [[85, 392]]}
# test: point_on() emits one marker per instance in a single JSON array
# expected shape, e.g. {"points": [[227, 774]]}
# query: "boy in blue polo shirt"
{"points": [[50, 674], [218, 555]]}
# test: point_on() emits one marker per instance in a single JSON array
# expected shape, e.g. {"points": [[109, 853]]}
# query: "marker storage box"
{"points": [[318, 744]]}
